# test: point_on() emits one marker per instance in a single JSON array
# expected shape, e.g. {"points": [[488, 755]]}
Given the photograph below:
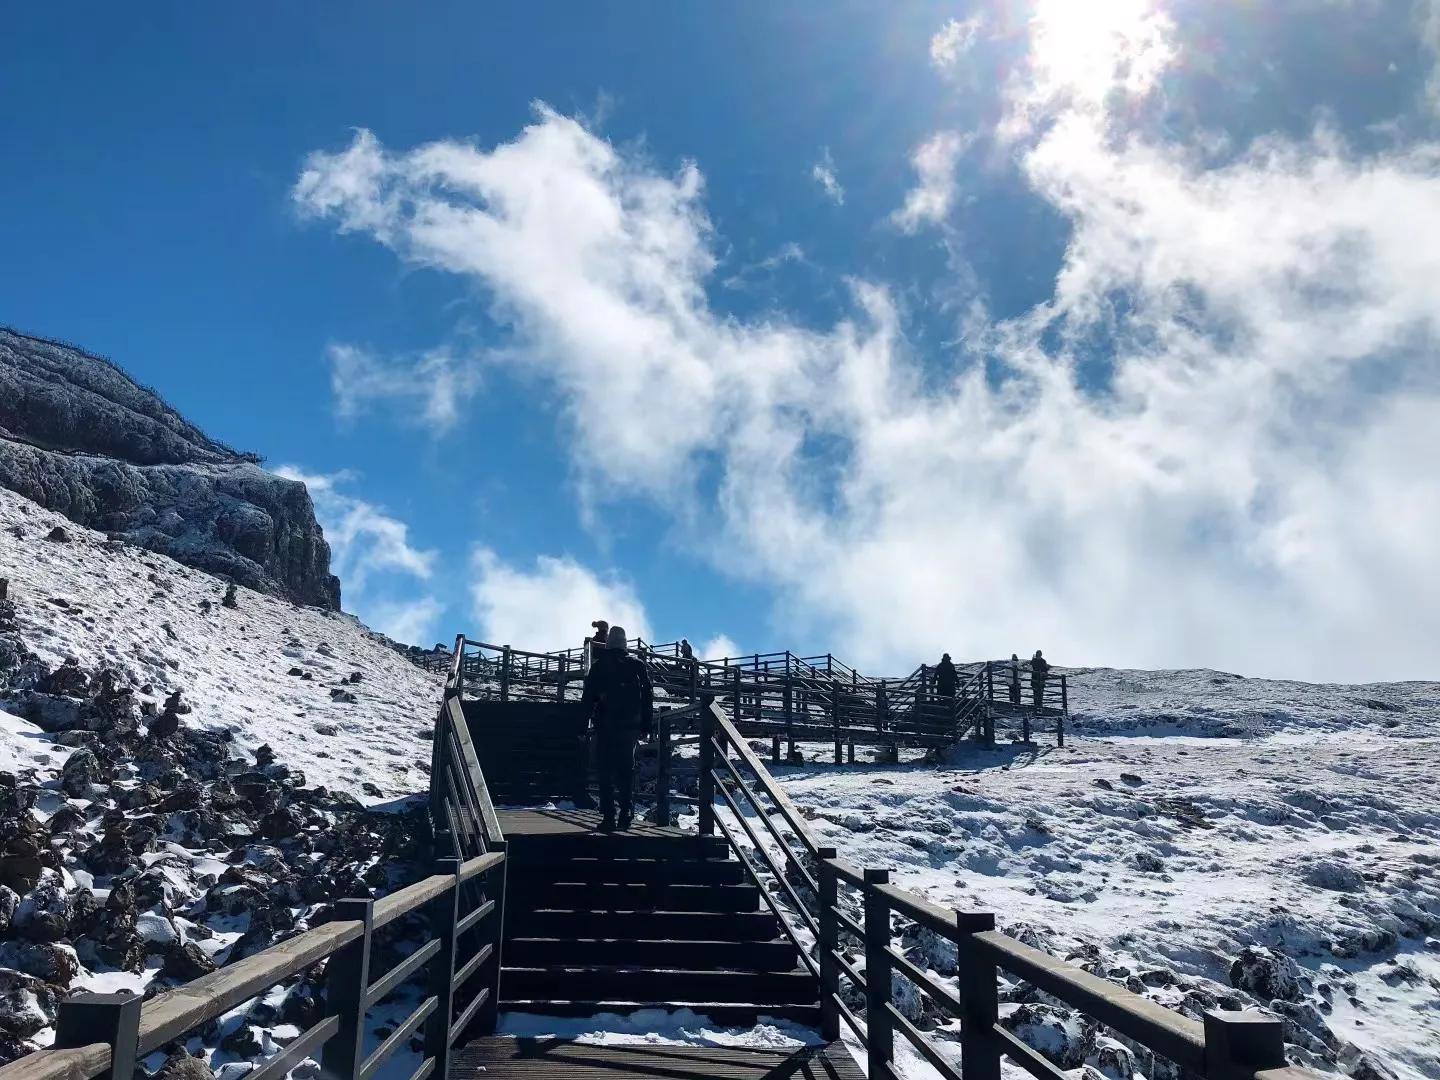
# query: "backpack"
{"points": [[625, 695]]}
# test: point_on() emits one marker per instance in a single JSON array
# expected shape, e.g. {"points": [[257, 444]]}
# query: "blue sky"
{"points": [[881, 329]]}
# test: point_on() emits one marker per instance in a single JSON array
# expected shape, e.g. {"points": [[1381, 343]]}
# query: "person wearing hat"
{"points": [[619, 700]]}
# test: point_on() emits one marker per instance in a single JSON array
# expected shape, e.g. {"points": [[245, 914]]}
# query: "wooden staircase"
{"points": [[649, 918]]}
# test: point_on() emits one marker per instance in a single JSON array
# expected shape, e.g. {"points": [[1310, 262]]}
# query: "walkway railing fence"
{"points": [[843, 919], [792, 698]]}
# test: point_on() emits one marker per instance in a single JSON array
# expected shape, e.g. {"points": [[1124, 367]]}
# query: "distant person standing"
{"points": [[1014, 665], [621, 700], [946, 679], [686, 652], [1039, 672]]}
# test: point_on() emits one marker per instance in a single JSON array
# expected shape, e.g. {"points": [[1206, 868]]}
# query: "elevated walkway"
{"points": [[500, 1058]]}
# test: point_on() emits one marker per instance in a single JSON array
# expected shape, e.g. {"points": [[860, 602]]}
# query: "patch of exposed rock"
{"points": [[80, 437]]}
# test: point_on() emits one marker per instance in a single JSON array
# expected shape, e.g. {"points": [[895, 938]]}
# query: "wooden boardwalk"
{"points": [[500, 1058]]}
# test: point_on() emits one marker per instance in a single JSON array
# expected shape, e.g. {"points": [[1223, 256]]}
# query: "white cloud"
{"points": [[1427, 24], [429, 391], [717, 648], [371, 554], [953, 40], [551, 605], [930, 200], [1253, 488], [414, 622], [823, 173], [364, 539]]}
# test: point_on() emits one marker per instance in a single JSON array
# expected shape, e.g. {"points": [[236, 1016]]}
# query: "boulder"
{"points": [[1065, 1038], [183, 1066], [27, 1004], [186, 962], [80, 773], [55, 963], [45, 911], [1269, 975]]}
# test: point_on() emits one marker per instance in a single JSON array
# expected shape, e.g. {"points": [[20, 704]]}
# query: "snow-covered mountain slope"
{"points": [[1158, 857], [161, 624]]}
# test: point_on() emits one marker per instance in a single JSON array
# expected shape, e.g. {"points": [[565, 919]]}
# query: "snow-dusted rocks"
{"points": [[79, 436], [1267, 974]]}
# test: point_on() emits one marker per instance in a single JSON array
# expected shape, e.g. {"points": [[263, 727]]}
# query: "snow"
{"points": [[110, 603], [658, 1027], [1312, 829]]}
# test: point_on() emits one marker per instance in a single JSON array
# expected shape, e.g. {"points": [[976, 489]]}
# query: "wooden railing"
{"points": [[105, 1034], [806, 884], [463, 903]]}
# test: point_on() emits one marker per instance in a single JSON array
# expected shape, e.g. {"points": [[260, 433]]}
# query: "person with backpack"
{"points": [[1039, 672], [620, 701]]}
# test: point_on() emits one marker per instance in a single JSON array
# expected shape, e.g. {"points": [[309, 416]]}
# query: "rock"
{"points": [[296, 671], [370, 789], [80, 773], [182, 1066], [1270, 976], [9, 901], [1101, 782], [80, 437], [356, 676], [344, 697], [1376, 939], [326, 729], [1334, 875], [186, 962], [1131, 778], [27, 1004], [56, 964], [58, 535], [244, 1042], [1063, 1037], [229, 599], [65, 681], [1148, 862], [44, 912]]}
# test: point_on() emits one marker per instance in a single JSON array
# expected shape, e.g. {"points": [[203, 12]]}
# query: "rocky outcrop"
{"points": [[79, 436]]}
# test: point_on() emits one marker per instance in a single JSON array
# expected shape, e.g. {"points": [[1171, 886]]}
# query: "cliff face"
{"points": [[79, 436]]}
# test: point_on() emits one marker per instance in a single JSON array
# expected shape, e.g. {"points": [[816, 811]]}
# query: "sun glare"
{"points": [[1086, 48]]}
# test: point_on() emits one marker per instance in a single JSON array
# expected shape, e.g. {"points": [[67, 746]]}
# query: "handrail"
{"points": [[1227, 1046]]}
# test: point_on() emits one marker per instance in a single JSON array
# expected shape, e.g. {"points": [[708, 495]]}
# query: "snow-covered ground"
{"points": [[161, 624], [1193, 815]]}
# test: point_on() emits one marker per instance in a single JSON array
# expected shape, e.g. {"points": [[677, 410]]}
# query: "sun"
{"points": [[1085, 49]]}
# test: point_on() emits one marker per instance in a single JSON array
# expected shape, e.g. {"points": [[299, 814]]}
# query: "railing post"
{"points": [[107, 1018], [347, 979], [707, 772], [487, 1018], [662, 769], [1064, 710], [979, 998], [879, 1032], [694, 681], [735, 695], [835, 719], [789, 701], [560, 678], [505, 673], [444, 914], [1240, 1044], [829, 943]]}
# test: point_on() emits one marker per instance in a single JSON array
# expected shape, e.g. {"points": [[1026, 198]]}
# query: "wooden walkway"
{"points": [[522, 823], [500, 1058]]}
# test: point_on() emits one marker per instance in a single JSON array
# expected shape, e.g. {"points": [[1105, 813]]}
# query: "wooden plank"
{"points": [[501, 1058], [171, 1015]]}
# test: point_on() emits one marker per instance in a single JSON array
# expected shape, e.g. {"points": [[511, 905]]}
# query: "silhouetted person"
{"points": [[601, 635], [686, 653], [1014, 664], [1039, 672], [620, 699], [946, 678]]}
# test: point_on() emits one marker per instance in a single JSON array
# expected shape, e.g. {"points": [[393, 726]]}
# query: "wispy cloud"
{"points": [[551, 604], [1250, 487], [428, 391], [373, 557], [930, 200], [953, 41], [823, 173]]}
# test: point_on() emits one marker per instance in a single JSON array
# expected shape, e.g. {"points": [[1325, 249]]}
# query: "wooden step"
{"points": [[776, 955], [592, 896], [529, 850], [633, 871], [570, 982], [641, 925], [723, 1014]]}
